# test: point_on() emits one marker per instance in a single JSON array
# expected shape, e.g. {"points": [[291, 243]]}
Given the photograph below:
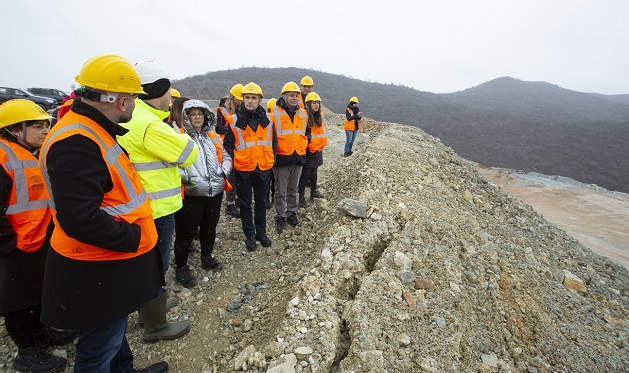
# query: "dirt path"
{"points": [[597, 218]]}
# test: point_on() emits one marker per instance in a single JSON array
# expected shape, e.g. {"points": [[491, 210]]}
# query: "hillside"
{"points": [[530, 126], [446, 273]]}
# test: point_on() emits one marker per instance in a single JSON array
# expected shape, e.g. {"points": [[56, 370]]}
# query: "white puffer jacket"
{"points": [[205, 177]]}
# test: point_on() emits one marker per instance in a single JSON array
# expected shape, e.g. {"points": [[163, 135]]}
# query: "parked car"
{"points": [[7, 94], [50, 93]]}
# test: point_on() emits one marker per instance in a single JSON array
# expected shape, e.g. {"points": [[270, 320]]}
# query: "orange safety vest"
{"points": [[252, 149], [27, 209], [126, 201], [351, 125], [64, 108], [226, 116], [291, 135], [319, 136]]}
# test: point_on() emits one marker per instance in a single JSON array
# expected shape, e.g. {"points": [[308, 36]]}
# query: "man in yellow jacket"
{"points": [[156, 150]]}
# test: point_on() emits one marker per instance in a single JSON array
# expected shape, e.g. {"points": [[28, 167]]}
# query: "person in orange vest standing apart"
{"points": [[307, 85], [156, 150], [104, 263], [226, 108], [25, 233], [318, 129], [290, 122], [353, 115], [252, 145]]}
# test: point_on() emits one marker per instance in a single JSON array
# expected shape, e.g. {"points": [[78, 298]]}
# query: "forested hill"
{"points": [[531, 126]]}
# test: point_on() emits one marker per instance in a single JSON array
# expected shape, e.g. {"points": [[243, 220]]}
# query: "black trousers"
{"points": [[197, 212], [22, 325], [308, 178], [253, 184]]}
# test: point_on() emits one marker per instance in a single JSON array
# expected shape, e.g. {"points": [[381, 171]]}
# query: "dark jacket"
{"points": [[245, 118], [21, 273], [90, 294], [354, 116]]}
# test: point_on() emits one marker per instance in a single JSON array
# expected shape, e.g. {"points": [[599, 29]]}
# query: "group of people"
{"points": [[91, 205]]}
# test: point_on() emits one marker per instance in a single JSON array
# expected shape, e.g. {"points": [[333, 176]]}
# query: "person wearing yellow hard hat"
{"points": [[307, 85], [353, 115], [318, 134], [226, 108], [26, 232], [271, 104], [290, 122], [174, 93], [104, 262], [252, 145]]}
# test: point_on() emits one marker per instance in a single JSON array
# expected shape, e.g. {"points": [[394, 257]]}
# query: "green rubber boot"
{"points": [[156, 327]]}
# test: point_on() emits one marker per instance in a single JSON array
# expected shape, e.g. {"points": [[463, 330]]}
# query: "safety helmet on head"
{"points": [[20, 110], [175, 93], [354, 99], [313, 96], [272, 102], [150, 71], [110, 73], [236, 91], [252, 88], [306, 80], [290, 87]]}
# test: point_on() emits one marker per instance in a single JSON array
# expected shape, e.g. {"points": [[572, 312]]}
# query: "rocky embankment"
{"points": [[445, 272]]}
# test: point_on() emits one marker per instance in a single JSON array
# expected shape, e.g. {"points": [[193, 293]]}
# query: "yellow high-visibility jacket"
{"points": [[156, 150]]}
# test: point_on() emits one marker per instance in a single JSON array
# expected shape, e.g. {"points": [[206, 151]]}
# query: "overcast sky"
{"points": [[437, 46]]}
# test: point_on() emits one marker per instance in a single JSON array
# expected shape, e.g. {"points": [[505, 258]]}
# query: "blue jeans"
{"points": [[165, 229], [104, 350], [350, 136]]}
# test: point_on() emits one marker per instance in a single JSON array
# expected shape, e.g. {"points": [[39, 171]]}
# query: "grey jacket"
{"points": [[205, 177]]}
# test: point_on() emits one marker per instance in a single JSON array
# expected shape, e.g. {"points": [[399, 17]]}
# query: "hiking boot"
{"points": [[346, 154], [184, 277], [350, 152], [54, 337], [161, 367], [264, 240], [251, 243], [209, 263], [33, 360], [302, 202], [292, 220], [316, 194], [232, 211], [280, 225]]}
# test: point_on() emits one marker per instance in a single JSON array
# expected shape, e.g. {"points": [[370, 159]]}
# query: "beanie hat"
{"points": [[156, 89]]}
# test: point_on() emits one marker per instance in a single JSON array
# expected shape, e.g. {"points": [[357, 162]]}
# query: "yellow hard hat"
{"points": [[252, 88], [20, 110], [272, 102], [110, 73], [175, 93], [354, 99], [236, 91], [313, 96], [306, 80], [290, 87]]}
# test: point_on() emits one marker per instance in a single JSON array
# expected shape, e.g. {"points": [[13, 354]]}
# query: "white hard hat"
{"points": [[150, 71]]}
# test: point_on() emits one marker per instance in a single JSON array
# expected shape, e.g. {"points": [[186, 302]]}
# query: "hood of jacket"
{"points": [[210, 117]]}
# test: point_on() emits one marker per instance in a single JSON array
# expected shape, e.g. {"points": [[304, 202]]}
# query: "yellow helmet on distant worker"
{"points": [[290, 87], [313, 96], [354, 99], [110, 73], [236, 91], [252, 88], [175, 93], [272, 102], [306, 80], [20, 110]]}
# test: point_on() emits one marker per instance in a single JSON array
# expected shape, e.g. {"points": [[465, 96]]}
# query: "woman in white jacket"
{"points": [[204, 183]]}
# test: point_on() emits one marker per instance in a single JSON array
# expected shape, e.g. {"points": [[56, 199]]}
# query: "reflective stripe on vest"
{"points": [[255, 153], [289, 131], [27, 208]]}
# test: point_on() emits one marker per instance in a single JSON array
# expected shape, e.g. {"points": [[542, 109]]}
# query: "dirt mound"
{"points": [[446, 272]]}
